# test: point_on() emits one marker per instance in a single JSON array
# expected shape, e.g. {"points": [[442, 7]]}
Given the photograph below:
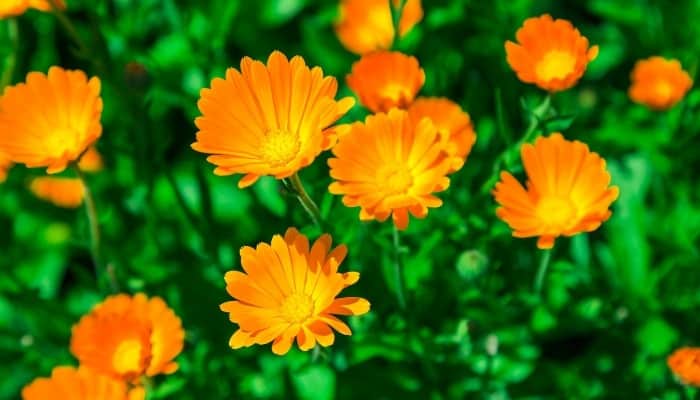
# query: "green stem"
{"points": [[69, 28], [399, 279], [306, 201], [396, 12], [542, 270], [100, 271], [11, 61]]}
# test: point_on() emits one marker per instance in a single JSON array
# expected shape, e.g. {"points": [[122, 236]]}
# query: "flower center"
{"points": [[396, 93], [297, 308], [663, 89], [395, 179], [60, 141], [127, 357], [279, 147], [556, 64], [557, 212]]}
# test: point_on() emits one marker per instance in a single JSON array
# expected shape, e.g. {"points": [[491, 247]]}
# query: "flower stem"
{"points": [[542, 270], [69, 28], [308, 204], [93, 221], [399, 279], [11, 60]]}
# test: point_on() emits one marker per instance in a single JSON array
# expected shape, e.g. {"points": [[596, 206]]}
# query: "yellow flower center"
{"points": [[60, 141], [395, 179], [556, 64], [664, 89], [397, 93], [279, 147], [297, 308], [127, 357], [557, 212]]}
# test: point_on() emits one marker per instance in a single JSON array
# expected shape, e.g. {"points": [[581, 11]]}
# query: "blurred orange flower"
{"points": [[567, 192], [289, 291], [268, 120], [13, 8], [453, 124], [129, 336], [550, 53], [50, 120], [91, 161], [659, 83], [390, 166], [62, 192], [68, 383], [386, 79], [685, 364], [367, 25], [5, 165]]}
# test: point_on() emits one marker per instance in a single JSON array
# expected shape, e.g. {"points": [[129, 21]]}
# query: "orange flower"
{"points": [[62, 192], [68, 383], [50, 120], [367, 25], [13, 8], [659, 83], [91, 161], [390, 166], [268, 120], [552, 54], [685, 363], [289, 291], [386, 79], [567, 192], [129, 336], [453, 124], [5, 165]]}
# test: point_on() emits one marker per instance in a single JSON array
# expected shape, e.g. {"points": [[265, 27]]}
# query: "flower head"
{"points": [[129, 336], [550, 53], [13, 8], [567, 192], [367, 25], [62, 192], [685, 364], [68, 383], [50, 120], [453, 124], [386, 79], [390, 166], [288, 291], [659, 83], [268, 120]]}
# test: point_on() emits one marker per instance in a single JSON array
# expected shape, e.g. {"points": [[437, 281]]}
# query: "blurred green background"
{"points": [[615, 302]]}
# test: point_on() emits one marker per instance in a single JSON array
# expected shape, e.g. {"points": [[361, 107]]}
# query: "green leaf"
{"points": [[316, 382]]}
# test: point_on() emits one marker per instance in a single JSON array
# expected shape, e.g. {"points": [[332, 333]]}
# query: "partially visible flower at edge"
{"points": [[13, 8], [69, 383], [685, 364]]}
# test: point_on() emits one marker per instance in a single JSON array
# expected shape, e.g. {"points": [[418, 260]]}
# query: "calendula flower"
{"points": [[5, 165], [50, 120], [289, 291], [568, 191], [13, 8], [550, 53], [390, 166], [367, 25], [68, 383], [659, 83], [386, 79], [268, 120], [453, 124], [685, 364], [128, 337], [91, 161], [62, 192]]}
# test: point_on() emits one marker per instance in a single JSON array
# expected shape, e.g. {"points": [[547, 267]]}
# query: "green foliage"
{"points": [[614, 304]]}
